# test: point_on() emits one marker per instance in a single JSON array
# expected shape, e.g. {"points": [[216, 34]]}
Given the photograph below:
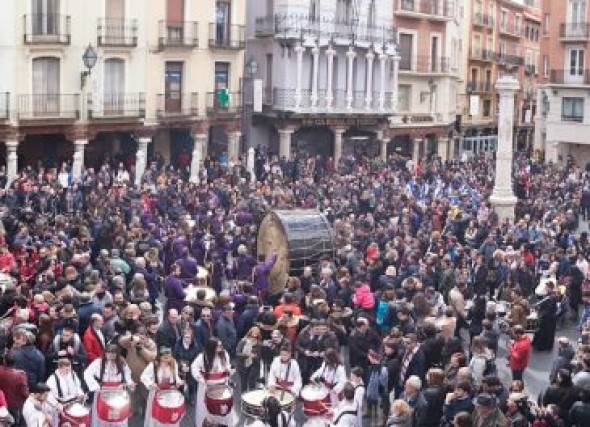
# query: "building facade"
{"points": [[167, 73], [429, 45], [563, 108], [503, 38], [327, 73]]}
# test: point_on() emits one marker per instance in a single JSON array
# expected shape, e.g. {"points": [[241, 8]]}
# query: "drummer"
{"points": [[346, 413], [64, 383], [211, 367], [284, 372], [332, 375], [274, 416], [161, 374], [39, 410], [110, 370]]}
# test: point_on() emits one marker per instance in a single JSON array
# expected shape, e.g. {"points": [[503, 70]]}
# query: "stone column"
{"points": [[250, 164], [233, 149], [383, 63], [338, 132], [199, 140], [394, 82], [502, 197], [350, 55], [384, 143], [443, 148], [416, 153], [78, 163], [285, 142], [329, 86], [369, 96], [11, 161], [299, 49], [452, 148], [141, 158], [315, 76]]}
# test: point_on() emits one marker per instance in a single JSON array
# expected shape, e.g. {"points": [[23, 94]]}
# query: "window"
{"points": [[343, 11], [222, 22], [572, 109], [404, 94], [372, 16], [504, 20], [314, 10], [45, 17], [517, 24], [578, 11], [487, 107], [576, 65], [406, 45], [545, 65], [114, 84], [45, 85], [173, 87], [546, 24]]}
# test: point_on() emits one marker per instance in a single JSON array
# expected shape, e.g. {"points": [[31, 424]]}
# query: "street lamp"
{"points": [[251, 67], [89, 58]]}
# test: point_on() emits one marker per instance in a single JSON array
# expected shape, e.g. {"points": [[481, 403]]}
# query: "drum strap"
{"points": [[58, 384], [288, 370], [343, 413]]}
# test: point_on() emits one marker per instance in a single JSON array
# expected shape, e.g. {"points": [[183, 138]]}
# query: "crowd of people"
{"points": [[403, 327]]}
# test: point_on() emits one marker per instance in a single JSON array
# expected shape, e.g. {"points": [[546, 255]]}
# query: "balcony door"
{"points": [[577, 17], [45, 17], [114, 86], [115, 21], [222, 96], [575, 69], [173, 87], [435, 62], [45, 98], [175, 21], [222, 22], [406, 50]]}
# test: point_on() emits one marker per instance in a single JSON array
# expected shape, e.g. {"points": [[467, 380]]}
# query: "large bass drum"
{"points": [[300, 237]]}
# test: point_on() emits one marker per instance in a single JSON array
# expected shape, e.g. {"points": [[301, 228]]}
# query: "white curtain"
{"points": [[45, 85], [114, 84]]}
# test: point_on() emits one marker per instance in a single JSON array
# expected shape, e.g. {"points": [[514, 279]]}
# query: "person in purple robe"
{"points": [[174, 290], [243, 265], [260, 275], [188, 265]]}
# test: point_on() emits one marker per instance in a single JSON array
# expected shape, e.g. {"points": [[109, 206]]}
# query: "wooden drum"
{"points": [[300, 237]]}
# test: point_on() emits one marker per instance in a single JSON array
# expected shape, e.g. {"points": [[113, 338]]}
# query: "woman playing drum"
{"points": [[284, 372], [162, 374], [211, 368], [64, 383], [110, 372], [331, 374], [274, 416]]}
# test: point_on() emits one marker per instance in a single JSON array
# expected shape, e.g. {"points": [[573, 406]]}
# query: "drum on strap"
{"points": [[316, 400], [168, 406], [75, 415], [219, 399], [252, 402], [112, 405]]}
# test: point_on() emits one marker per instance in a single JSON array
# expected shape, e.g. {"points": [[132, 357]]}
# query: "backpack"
{"points": [[382, 309], [490, 368]]}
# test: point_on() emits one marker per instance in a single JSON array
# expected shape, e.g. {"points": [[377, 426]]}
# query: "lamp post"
{"points": [[89, 59]]}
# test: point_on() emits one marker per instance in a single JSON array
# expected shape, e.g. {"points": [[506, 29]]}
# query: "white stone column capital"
{"points": [[286, 131], [382, 57], [370, 55], [330, 51], [11, 145], [350, 54]]}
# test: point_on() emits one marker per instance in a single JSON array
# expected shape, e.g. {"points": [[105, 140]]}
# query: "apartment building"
{"points": [[157, 76], [327, 71], [504, 38], [429, 46], [563, 119]]}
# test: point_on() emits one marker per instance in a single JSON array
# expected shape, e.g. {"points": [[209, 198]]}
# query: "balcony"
{"points": [[482, 55], [4, 106], [425, 9], [510, 60], [476, 86], [227, 37], [285, 99], [177, 34], [483, 20], [117, 32], [116, 106], [292, 26], [511, 30], [223, 103], [570, 77], [49, 107], [173, 106], [47, 29], [423, 64], [578, 32]]}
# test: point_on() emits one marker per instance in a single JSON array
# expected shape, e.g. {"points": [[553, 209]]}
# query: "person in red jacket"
{"points": [[519, 352], [93, 340], [13, 382], [7, 261]]}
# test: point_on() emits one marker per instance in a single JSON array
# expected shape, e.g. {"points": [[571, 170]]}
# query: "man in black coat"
{"points": [[27, 357], [361, 340], [169, 331], [413, 361]]}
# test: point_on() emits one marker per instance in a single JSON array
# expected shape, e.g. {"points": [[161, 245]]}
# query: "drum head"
{"points": [[115, 398], [170, 398], [191, 293], [285, 398], [254, 397], [220, 392], [314, 392], [77, 410]]}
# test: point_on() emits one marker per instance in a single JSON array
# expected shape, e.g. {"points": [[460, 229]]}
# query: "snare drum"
{"points": [[168, 406], [75, 415], [532, 322], [112, 405], [316, 400], [252, 402], [219, 399]]}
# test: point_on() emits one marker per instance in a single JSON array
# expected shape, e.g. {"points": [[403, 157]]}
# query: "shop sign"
{"points": [[333, 122]]}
